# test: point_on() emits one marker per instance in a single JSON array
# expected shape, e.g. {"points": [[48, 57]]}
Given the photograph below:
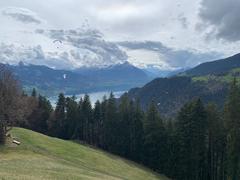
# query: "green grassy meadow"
{"points": [[42, 157]]}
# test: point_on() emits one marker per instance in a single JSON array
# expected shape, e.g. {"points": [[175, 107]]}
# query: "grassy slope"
{"points": [[43, 157], [222, 78]]}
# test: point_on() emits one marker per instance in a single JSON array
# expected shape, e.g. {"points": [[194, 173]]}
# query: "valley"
{"points": [[50, 82]]}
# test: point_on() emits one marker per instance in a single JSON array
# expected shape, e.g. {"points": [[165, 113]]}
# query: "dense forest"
{"points": [[200, 143], [173, 92]]}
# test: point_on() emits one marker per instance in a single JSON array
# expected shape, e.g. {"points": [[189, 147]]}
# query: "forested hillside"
{"points": [[209, 81], [170, 94]]}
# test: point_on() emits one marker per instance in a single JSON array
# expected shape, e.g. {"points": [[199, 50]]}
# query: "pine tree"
{"points": [[34, 93], [60, 118], [155, 139], [2, 130], [39, 118], [110, 124], [216, 141], [136, 131], [98, 122], [172, 149], [87, 120], [103, 127], [232, 118], [122, 125], [78, 134], [72, 116], [43, 111], [191, 133]]}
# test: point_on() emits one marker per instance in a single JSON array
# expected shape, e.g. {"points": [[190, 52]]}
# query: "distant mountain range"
{"points": [[125, 72], [30, 39], [215, 67], [81, 60], [209, 81], [50, 81]]}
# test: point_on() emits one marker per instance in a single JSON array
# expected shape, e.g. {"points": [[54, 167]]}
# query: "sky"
{"points": [[199, 25]]}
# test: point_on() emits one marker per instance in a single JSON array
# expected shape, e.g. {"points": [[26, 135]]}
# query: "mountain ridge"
{"points": [[209, 81], [215, 67], [50, 81]]}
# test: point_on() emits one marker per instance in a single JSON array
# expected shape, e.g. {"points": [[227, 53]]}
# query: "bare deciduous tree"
{"points": [[10, 100]]}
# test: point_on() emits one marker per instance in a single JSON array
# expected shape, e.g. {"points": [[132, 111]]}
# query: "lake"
{"points": [[93, 96]]}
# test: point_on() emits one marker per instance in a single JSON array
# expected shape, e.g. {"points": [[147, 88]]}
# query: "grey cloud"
{"points": [[90, 39], [79, 48], [223, 17], [11, 54], [183, 20], [186, 59], [175, 58], [39, 31], [149, 45], [159, 20], [21, 15], [118, 19]]}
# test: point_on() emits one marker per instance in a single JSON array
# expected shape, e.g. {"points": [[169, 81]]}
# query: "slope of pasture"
{"points": [[42, 157]]}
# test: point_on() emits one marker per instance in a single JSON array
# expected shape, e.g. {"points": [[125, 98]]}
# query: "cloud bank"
{"points": [[173, 23], [221, 18], [22, 15]]}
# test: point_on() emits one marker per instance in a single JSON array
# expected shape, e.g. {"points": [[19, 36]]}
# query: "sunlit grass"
{"points": [[43, 157]]}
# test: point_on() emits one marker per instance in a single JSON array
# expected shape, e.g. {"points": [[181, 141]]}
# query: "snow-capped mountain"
{"points": [[26, 37], [31, 41]]}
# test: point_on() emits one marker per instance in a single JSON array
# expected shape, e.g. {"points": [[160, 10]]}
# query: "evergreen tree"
{"points": [[87, 120], [103, 127], [44, 110], [155, 139], [78, 122], [98, 124], [172, 149], [232, 116], [191, 133], [72, 116], [60, 118], [34, 93], [122, 126], [110, 124], [39, 118], [136, 131], [2, 129], [216, 141]]}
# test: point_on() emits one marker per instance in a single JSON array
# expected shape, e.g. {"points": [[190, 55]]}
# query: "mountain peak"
{"points": [[216, 67], [21, 63]]}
